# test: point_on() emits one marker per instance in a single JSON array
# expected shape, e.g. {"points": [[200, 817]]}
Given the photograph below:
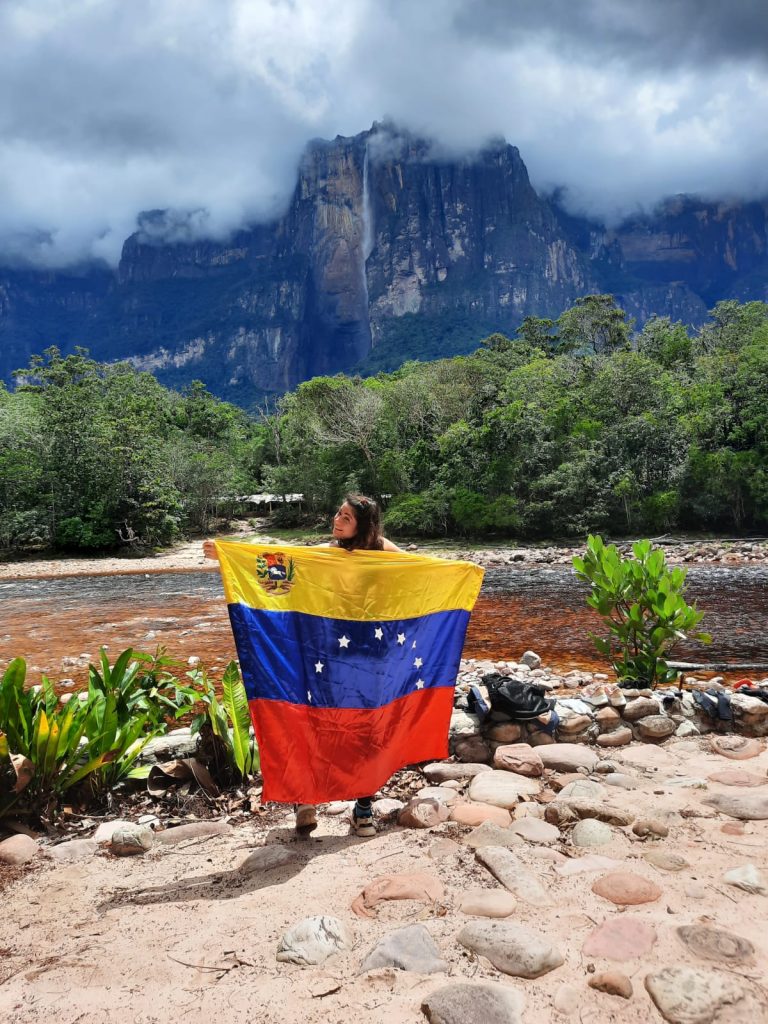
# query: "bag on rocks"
{"points": [[519, 700]]}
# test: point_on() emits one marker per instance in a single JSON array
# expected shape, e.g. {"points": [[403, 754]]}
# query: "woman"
{"points": [[356, 526]]}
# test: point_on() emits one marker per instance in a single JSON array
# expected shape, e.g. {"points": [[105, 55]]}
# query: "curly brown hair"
{"points": [[368, 517]]}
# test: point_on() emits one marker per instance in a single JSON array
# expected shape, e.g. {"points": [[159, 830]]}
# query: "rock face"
{"points": [[378, 228]]}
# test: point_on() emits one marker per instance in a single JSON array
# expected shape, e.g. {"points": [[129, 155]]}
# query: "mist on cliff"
{"points": [[203, 107]]}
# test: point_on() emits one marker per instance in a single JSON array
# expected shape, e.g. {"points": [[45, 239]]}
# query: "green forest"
{"points": [[575, 425]]}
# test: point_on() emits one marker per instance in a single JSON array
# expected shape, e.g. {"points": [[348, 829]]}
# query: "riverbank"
{"points": [[188, 555]]}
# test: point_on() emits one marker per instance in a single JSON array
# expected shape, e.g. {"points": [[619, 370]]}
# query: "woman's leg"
{"points": [[306, 818]]}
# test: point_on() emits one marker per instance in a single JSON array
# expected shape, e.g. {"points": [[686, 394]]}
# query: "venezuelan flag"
{"points": [[349, 660]]}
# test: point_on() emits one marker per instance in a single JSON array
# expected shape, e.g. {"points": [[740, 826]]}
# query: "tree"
{"points": [[595, 323]]}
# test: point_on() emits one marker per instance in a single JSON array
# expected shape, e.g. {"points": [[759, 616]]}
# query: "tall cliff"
{"points": [[385, 252]]}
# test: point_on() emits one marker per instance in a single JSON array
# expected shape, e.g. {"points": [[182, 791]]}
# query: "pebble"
{"points": [[386, 808], [519, 758], [18, 850], [568, 757], [644, 827], [443, 771], [746, 806], [442, 793], [443, 848], [511, 948], [715, 944], [337, 807], [590, 832], [535, 831], [487, 903], [621, 781], [531, 659], [476, 814], [505, 732], [503, 789], [566, 1000], [613, 982], [583, 865], [313, 940], [491, 834], [748, 878], [737, 777], [461, 1003], [582, 789], [665, 860], [408, 949], [689, 995], [106, 829], [74, 850], [626, 889], [193, 830], [513, 875], [737, 748], [615, 738], [621, 938], [130, 840], [422, 813], [266, 858]]}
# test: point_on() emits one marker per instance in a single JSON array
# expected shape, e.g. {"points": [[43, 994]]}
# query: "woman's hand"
{"points": [[209, 549]]}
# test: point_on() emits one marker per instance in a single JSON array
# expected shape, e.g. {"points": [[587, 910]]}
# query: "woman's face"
{"points": [[345, 523]]}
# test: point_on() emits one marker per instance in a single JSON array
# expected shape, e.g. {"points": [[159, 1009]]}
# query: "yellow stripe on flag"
{"points": [[339, 584]]}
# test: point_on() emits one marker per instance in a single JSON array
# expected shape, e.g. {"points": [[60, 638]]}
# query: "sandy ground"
{"points": [[178, 934]]}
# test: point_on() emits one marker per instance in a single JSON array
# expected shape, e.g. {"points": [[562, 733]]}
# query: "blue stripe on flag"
{"points": [[338, 663]]}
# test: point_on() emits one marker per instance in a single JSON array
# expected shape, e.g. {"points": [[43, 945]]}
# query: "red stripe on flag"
{"points": [[312, 755]]}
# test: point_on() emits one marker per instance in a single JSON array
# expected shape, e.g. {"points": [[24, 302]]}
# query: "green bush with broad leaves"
{"points": [[225, 725], [93, 741], [640, 600]]}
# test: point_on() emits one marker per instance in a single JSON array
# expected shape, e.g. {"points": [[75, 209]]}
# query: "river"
{"points": [[52, 622]]}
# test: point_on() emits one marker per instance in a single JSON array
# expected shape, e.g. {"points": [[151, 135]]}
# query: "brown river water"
{"points": [[59, 624]]}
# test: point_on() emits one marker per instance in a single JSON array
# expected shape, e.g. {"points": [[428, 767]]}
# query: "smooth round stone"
{"points": [[18, 850], [746, 806], [442, 793], [313, 940], [491, 834], [471, 750], [568, 757], [737, 777], [583, 865], [737, 748], [505, 732], [535, 831], [591, 832], [444, 771], [650, 827], [566, 1000], [689, 995], [487, 903], [443, 848], [748, 878], [337, 807], [422, 813], [665, 860], [655, 727], [475, 814], [511, 948], [625, 889], [385, 809], [519, 758], [715, 944], [621, 781], [582, 789], [128, 841], [614, 983], [615, 738], [502, 789], [621, 938], [462, 1003]]}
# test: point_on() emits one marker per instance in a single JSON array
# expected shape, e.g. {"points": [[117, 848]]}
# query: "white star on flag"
{"points": [[401, 638], [319, 666], [309, 696], [344, 641], [419, 684], [378, 633], [413, 645], [418, 663]]}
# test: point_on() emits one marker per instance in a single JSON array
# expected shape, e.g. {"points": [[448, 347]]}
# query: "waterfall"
{"points": [[367, 242]]}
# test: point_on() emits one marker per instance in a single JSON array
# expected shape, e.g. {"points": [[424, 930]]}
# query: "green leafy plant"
{"points": [[640, 600], [142, 684], [225, 725], [48, 739]]}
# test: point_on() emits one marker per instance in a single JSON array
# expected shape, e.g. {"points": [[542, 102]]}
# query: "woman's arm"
{"points": [[388, 545], [209, 549]]}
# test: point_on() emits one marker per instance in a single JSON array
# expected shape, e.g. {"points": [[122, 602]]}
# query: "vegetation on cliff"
{"points": [[575, 425]]}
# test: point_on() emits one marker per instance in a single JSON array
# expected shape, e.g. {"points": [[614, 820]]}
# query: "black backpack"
{"points": [[519, 700]]}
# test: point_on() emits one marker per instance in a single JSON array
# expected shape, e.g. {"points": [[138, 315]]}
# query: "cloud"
{"points": [[203, 107]]}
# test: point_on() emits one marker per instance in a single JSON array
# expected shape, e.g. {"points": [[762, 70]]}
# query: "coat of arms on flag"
{"points": [[349, 660]]}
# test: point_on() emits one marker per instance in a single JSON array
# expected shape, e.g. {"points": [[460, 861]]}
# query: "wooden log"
{"points": [[719, 666]]}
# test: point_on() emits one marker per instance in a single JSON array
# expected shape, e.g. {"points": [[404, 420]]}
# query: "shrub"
{"points": [[641, 603], [225, 726]]}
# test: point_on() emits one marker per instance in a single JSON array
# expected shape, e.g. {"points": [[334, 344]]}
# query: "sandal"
{"points": [[306, 819]]}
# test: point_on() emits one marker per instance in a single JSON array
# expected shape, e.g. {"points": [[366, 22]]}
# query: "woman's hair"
{"points": [[368, 536]]}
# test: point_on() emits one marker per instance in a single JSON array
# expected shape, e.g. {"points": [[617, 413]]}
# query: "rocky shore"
{"points": [[526, 880]]}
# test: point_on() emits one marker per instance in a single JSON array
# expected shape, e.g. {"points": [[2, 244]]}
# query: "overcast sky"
{"points": [[110, 107]]}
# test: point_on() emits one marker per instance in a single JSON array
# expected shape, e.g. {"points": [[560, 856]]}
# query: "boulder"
{"points": [[503, 789], [511, 948], [568, 757], [519, 758]]}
